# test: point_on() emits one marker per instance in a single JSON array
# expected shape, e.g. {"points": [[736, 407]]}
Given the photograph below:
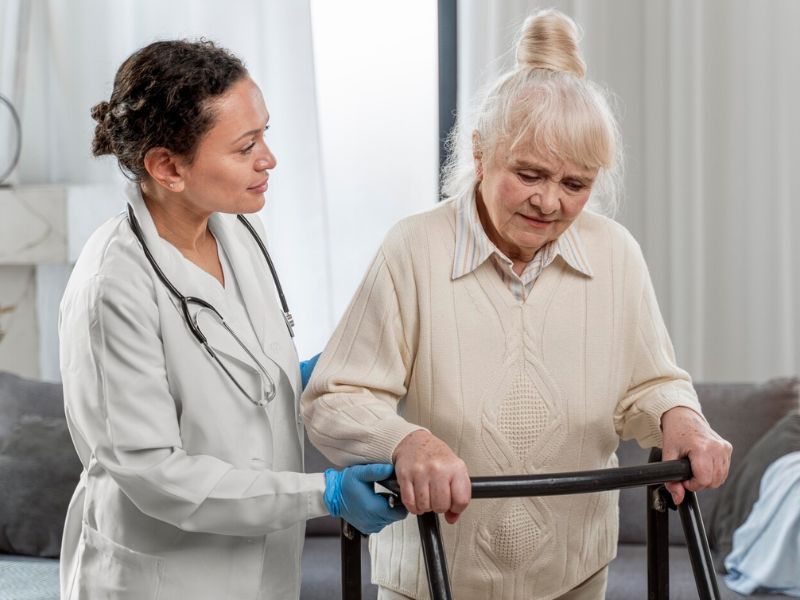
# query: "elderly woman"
{"points": [[507, 331]]}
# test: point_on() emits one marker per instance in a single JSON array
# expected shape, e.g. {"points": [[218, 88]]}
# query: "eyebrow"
{"points": [[250, 133], [521, 164]]}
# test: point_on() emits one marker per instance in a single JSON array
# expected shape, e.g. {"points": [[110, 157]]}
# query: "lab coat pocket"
{"points": [[109, 570]]}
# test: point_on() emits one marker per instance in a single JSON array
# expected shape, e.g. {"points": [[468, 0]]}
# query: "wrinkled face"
{"points": [[526, 199], [230, 169]]}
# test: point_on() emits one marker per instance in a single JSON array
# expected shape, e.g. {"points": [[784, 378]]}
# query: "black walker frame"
{"points": [[652, 475]]}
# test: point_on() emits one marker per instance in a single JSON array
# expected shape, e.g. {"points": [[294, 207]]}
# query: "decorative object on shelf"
{"points": [[4, 310], [6, 170]]}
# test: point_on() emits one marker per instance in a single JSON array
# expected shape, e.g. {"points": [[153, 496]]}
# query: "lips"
{"points": [[259, 187], [536, 222]]}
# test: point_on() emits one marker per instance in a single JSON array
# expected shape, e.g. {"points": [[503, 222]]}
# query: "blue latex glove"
{"points": [[350, 494], [307, 368]]}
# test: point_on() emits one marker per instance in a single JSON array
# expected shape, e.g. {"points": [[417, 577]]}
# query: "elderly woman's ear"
{"points": [[477, 154]]}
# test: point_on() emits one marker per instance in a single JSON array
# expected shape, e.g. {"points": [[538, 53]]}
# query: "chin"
{"points": [[252, 204], [534, 240]]}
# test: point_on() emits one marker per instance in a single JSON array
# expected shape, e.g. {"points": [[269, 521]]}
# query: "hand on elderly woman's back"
{"points": [[686, 434], [431, 477]]}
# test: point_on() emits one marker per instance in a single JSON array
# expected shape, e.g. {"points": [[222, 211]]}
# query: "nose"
{"points": [[266, 160], [546, 198]]}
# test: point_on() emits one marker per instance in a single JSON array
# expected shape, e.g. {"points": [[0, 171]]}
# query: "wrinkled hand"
{"points": [[350, 494], [431, 476], [686, 434]]}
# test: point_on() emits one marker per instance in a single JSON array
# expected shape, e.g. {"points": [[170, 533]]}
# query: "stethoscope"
{"points": [[191, 321]]}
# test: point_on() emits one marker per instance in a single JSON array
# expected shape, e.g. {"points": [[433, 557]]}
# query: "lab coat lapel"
{"points": [[169, 259], [259, 293], [185, 278]]}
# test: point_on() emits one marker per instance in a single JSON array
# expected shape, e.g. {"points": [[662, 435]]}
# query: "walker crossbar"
{"points": [[652, 475], [582, 482]]}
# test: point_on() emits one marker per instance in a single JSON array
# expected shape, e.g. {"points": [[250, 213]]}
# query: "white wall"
{"points": [[330, 202], [377, 93]]}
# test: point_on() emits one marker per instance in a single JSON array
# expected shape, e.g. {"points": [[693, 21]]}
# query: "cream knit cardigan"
{"points": [[545, 385]]}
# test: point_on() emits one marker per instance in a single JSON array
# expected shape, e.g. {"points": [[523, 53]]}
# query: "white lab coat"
{"points": [[183, 494]]}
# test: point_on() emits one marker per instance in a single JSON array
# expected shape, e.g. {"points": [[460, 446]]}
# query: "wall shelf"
{"points": [[42, 230]]}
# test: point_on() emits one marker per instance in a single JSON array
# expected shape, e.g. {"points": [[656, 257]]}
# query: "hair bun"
{"points": [[100, 110], [101, 144], [550, 41]]}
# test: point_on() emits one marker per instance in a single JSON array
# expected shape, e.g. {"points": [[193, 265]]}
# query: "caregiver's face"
{"points": [[229, 172]]}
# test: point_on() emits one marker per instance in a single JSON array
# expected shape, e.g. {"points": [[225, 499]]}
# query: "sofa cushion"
{"points": [[20, 396], [742, 488], [38, 467], [26, 578], [741, 413], [627, 576]]}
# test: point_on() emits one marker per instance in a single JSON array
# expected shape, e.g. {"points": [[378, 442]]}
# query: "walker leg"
{"points": [[351, 562], [657, 539], [657, 545], [696, 541], [435, 560]]}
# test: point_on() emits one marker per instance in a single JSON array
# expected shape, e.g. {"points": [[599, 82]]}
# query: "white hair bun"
{"points": [[550, 41]]}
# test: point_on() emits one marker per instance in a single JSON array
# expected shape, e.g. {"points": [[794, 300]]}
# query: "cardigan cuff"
{"points": [[664, 401], [387, 434]]}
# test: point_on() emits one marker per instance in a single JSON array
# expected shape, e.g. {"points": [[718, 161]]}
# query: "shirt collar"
{"points": [[473, 246]]}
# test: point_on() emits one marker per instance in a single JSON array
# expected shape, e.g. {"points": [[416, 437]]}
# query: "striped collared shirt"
{"points": [[473, 248]]}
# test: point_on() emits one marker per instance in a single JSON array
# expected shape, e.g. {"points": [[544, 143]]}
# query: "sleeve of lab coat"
{"points": [[124, 420]]}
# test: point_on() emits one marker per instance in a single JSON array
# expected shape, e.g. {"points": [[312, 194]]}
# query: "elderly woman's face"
{"points": [[526, 199]]}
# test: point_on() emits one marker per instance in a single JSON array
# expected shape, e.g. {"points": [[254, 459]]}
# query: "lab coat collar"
{"points": [[252, 275], [164, 253]]}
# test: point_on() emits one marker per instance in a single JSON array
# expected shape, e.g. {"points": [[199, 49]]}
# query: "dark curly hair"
{"points": [[161, 98]]}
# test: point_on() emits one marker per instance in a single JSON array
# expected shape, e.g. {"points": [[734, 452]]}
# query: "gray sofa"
{"points": [[38, 470], [742, 414]]}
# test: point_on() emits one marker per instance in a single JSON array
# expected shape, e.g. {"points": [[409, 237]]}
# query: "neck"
{"points": [[520, 257], [184, 228]]}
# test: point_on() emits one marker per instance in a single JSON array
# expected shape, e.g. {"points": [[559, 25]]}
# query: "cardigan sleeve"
{"points": [[656, 384], [350, 407]]}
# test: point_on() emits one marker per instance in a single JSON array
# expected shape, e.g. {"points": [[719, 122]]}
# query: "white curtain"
{"points": [[75, 48], [708, 96]]}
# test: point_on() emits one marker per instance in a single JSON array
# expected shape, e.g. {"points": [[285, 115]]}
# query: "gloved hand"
{"points": [[307, 368], [350, 494]]}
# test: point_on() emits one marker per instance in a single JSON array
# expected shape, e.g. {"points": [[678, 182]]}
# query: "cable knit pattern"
{"points": [[523, 416], [547, 383]]}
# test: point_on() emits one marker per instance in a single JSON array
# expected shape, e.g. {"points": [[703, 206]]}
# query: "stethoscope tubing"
{"points": [[137, 231], [191, 322]]}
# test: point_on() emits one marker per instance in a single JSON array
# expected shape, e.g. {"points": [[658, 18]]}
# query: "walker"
{"points": [[652, 475]]}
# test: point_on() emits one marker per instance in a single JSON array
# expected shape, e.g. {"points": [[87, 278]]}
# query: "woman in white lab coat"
{"points": [[187, 425]]}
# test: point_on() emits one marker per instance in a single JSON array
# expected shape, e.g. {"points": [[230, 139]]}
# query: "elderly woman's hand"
{"points": [[687, 434], [431, 476]]}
